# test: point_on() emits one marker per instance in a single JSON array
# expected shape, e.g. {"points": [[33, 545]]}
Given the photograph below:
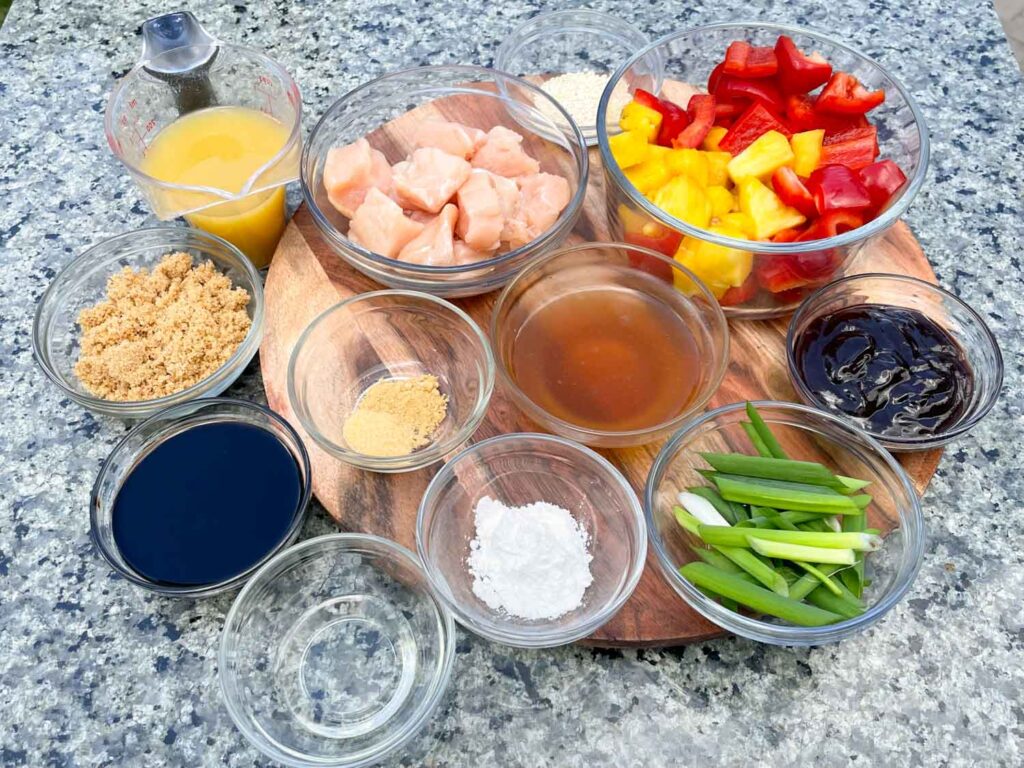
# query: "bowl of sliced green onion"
{"points": [[782, 523]]}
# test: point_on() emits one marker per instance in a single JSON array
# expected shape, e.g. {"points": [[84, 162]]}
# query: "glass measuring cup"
{"points": [[183, 69]]}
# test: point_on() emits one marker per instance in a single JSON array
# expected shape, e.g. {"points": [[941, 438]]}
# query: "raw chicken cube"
{"points": [[434, 245], [466, 254], [454, 138], [351, 171], [380, 225], [503, 154], [428, 181], [481, 214], [542, 197]]}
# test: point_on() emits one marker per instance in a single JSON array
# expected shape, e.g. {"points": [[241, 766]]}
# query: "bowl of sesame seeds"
{"points": [[571, 55]]}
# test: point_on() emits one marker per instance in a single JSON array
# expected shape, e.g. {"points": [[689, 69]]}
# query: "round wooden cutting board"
{"points": [[306, 277]]}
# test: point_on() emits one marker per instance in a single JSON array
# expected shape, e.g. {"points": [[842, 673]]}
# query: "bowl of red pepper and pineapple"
{"points": [[764, 161]]}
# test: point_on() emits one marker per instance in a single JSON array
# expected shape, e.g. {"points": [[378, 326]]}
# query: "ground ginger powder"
{"points": [[160, 331], [394, 417]]}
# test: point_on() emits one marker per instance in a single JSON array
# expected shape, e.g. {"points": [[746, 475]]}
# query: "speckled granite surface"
{"points": [[96, 673]]}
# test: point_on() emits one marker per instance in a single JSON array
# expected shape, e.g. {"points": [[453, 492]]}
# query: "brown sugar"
{"points": [[160, 331], [394, 417]]}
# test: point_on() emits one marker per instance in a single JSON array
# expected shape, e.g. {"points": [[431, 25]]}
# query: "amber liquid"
{"points": [[607, 359]]}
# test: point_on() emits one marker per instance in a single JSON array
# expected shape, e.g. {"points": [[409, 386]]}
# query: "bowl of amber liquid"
{"points": [[609, 344]]}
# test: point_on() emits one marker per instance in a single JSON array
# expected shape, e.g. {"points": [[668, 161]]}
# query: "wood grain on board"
{"points": [[306, 277]]}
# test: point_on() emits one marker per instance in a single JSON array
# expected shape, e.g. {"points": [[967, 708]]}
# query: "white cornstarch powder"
{"points": [[532, 562], [579, 94]]}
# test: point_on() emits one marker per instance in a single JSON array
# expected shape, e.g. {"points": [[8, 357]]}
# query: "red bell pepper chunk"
{"points": [[783, 272], [798, 72], [745, 60], [787, 235], [882, 180], [732, 88], [740, 294], [792, 192], [844, 95], [833, 223], [648, 99], [673, 117], [728, 110], [802, 116], [665, 244], [858, 150], [778, 272], [749, 126], [701, 114], [715, 77], [673, 122], [850, 132], [836, 187]]}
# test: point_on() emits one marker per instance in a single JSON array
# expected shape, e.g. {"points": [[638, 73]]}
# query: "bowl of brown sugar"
{"points": [[149, 319], [391, 381]]}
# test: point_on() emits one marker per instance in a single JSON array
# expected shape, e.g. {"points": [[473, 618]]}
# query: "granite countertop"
{"points": [[94, 672]]}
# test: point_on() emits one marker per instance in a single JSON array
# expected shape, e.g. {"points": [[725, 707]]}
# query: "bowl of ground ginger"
{"points": [[149, 319], [391, 381]]}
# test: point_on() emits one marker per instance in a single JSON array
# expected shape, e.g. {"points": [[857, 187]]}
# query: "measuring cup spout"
{"points": [[178, 50]]}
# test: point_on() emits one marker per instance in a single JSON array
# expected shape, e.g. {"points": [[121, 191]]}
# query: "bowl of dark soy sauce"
{"points": [[196, 498], [906, 361]]}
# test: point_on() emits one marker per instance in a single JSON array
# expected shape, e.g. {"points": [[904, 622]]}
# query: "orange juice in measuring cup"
{"points": [[209, 131]]}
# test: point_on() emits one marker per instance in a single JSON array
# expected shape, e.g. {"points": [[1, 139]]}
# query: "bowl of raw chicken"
{"points": [[444, 179]]}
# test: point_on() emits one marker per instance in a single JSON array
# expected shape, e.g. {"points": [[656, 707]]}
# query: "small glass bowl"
{"points": [[336, 653], [623, 267], [476, 96], [690, 55], [83, 283], [576, 40], [389, 334], [146, 436], [940, 306], [520, 469], [810, 435]]}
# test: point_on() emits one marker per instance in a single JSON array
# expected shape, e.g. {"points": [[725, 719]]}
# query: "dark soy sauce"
{"points": [[891, 369], [206, 504]]}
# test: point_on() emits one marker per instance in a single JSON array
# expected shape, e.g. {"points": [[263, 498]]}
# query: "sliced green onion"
{"points": [[808, 472], [701, 508], [821, 576], [730, 536], [853, 578], [755, 439], [774, 517], [794, 518], [716, 559], [780, 495], [827, 601], [726, 508], [852, 484], [755, 597], [744, 558], [766, 434], [801, 553], [807, 583]]}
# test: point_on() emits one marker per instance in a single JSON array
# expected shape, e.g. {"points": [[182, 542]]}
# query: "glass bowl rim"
{"points": [[338, 240], [54, 298], [763, 631], [534, 264], [535, 636], [879, 224], [172, 416], [390, 550], [900, 442], [420, 458]]}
